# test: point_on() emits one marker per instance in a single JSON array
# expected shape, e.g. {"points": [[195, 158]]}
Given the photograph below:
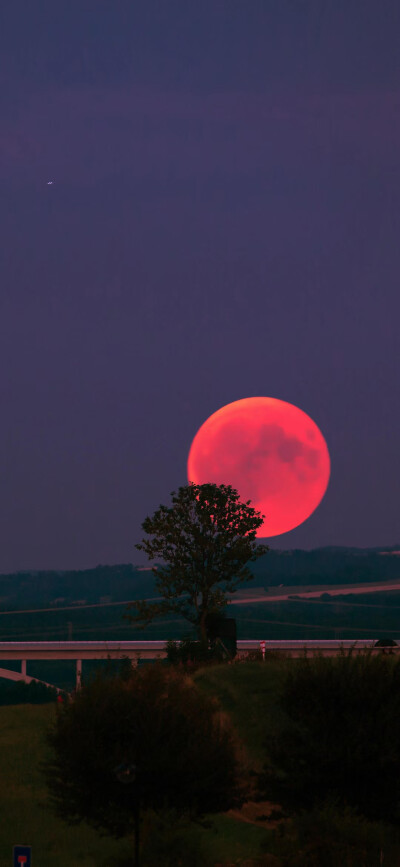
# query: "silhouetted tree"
{"points": [[156, 721], [204, 541]]}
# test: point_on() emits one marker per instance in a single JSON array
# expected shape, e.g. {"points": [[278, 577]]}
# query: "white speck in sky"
{"points": [[49, 183]]}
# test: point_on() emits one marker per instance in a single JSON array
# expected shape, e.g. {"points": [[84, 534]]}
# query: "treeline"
{"points": [[43, 588], [19, 692], [328, 566], [35, 589]]}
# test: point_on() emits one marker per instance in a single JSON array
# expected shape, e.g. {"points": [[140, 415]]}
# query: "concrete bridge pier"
{"points": [[78, 673], [23, 668]]}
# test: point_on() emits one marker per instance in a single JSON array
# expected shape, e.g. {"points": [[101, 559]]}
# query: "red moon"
{"points": [[271, 452]]}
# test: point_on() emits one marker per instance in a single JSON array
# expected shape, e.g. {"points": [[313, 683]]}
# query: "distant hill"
{"points": [[86, 586], [331, 565]]}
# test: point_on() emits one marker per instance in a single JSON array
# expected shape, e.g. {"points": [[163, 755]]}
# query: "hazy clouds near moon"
{"points": [[271, 452]]}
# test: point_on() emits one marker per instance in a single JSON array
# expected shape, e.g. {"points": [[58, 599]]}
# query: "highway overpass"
{"points": [[25, 651]]}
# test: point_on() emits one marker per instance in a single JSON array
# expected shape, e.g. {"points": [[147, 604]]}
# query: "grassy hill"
{"points": [[249, 692], [26, 817]]}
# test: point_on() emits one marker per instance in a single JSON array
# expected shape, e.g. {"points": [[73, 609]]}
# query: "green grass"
{"points": [[25, 817], [247, 690], [231, 840], [224, 841]]}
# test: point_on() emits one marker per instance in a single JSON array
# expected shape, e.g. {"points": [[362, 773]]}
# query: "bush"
{"points": [[330, 837], [19, 692], [157, 722], [342, 735], [191, 653]]}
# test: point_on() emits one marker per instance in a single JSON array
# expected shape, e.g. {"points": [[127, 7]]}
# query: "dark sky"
{"points": [[223, 223]]}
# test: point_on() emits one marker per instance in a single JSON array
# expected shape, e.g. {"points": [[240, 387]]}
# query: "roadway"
{"points": [[273, 594]]}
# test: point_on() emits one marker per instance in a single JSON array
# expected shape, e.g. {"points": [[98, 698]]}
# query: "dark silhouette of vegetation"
{"points": [[155, 721], [205, 542], [333, 836], [342, 735], [193, 654], [19, 692], [386, 642], [219, 647]]}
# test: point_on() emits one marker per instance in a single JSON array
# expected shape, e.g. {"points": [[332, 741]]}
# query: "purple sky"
{"points": [[223, 223]]}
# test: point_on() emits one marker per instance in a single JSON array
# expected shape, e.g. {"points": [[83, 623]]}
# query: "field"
{"points": [[374, 612], [26, 818]]}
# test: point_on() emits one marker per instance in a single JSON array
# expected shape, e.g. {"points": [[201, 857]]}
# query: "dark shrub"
{"points": [[156, 721], [191, 653], [342, 736], [19, 692], [330, 837]]}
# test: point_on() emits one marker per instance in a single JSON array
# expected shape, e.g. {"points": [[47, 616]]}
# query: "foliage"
{"points": [[341, 737], [332, 837], [20, 692], [205, 541], [182, 750], [191, 653]]}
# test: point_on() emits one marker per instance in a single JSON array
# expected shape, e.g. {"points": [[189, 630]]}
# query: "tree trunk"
{"points": [[203, 627]]}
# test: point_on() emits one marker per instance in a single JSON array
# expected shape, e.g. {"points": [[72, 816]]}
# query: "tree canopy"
{"points": [[156, 721], [204, 541]]}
